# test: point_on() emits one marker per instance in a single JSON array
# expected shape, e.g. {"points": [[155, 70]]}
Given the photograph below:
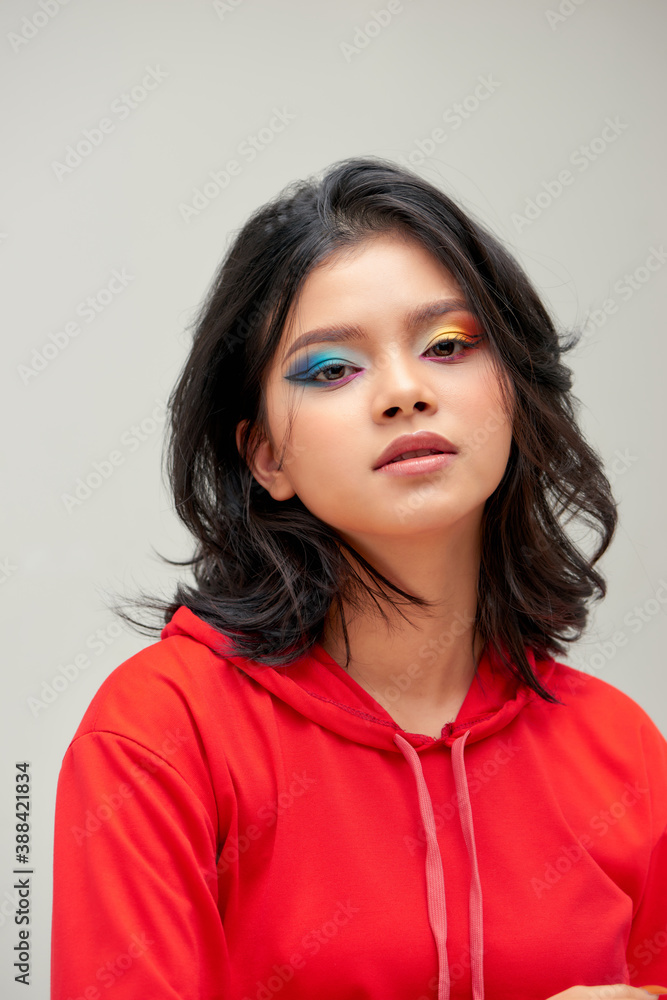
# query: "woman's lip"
{"points": [[417, 441], [418, 466]]}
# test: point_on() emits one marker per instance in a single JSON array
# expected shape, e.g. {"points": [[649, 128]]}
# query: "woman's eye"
{"points": [[330, 371], [335, 371], [446, 347]]}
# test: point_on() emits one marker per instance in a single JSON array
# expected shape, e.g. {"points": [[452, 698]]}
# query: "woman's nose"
{"points": [[401, 387]]}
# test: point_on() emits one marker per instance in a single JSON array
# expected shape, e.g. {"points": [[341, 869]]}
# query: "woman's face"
{"points": [[358, 368]]}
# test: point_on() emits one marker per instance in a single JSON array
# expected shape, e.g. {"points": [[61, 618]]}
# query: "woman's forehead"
{"points": [[382, 275]]}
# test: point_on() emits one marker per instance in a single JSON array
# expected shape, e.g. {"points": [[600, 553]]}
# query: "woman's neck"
{"points": [[418, 669]]}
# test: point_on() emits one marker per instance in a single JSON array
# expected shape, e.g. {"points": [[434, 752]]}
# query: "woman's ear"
{"points": [[264, 464]]}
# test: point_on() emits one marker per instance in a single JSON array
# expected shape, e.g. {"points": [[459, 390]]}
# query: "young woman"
{"points": [[351, 767]]}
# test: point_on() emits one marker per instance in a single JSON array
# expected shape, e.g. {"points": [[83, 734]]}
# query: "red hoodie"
{"points": [[230, 830]]}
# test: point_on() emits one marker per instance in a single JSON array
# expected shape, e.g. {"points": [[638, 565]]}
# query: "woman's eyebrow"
{"points": [[350, 331]]}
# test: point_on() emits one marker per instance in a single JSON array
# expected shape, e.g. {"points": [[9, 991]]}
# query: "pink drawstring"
{"points": [[476, 922], [435, 879]]}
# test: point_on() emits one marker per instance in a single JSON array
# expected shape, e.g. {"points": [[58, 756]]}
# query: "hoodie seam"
{"points": [[353, 711], [163, 760], [129, 739], [474, 719], [382, 722], [393, 725]]}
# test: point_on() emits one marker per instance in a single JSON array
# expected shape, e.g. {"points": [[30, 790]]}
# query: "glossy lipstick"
{"points": [[398, 459]]}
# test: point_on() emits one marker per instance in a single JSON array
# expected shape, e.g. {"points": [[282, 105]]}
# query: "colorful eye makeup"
{"points": [[329, 366], [449, 345], [447, 340]]}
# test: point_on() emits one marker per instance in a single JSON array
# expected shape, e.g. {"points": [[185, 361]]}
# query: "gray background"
{"points": [[219, 73]]}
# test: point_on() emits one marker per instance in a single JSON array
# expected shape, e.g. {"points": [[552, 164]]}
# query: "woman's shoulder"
{"points": [[170, 691], [597, 702]]}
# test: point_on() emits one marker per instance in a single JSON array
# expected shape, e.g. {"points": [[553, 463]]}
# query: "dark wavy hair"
{"points": [[266, 572]]}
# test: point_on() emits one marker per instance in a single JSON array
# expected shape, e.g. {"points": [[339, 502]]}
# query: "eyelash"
{"points": [[309, 375]]}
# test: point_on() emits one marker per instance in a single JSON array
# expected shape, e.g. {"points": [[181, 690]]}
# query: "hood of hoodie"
{"points": [[316, 686]]}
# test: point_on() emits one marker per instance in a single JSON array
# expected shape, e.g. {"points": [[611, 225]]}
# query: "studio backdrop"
{"points": [[138, 137]]}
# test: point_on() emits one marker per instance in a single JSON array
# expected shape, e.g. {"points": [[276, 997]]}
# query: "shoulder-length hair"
{"points": [[267, 573]]}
